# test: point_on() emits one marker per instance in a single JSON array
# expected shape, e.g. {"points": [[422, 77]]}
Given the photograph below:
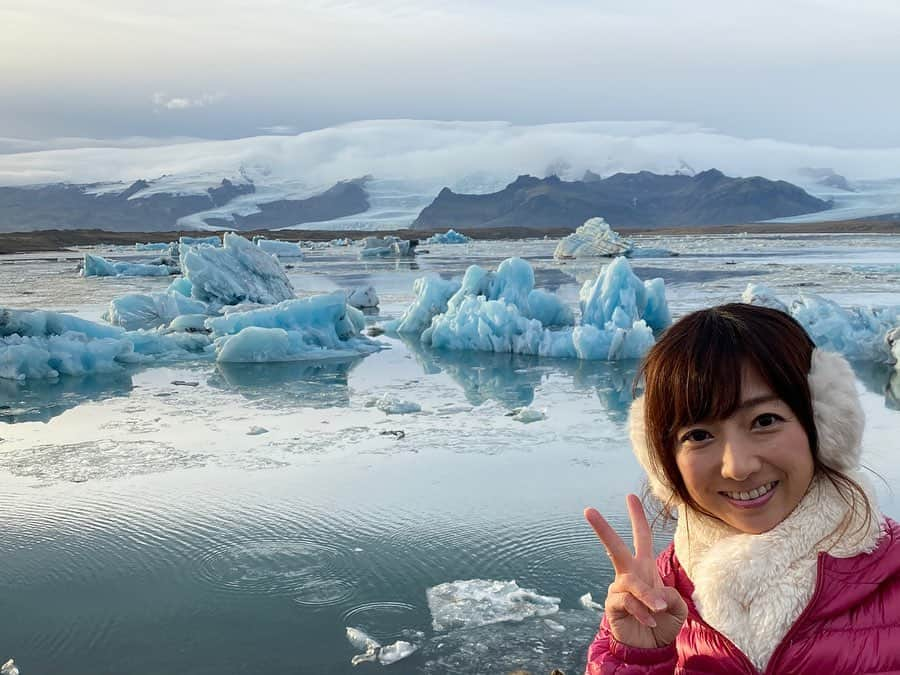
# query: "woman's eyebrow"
{"points": [[756, 400]]}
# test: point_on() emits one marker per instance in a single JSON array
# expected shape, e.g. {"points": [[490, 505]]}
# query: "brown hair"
{"points": [[693, 373]]}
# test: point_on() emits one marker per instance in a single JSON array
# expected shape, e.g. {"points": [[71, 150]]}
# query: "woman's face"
{"points": [[751, 469]]}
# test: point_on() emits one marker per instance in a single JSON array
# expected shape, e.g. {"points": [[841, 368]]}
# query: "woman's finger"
{"points": [[617, 550], [652, 598], [628, 603], [640, 528]]}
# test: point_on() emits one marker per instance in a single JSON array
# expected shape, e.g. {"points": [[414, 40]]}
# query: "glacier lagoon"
{"points": [[201, 517]]}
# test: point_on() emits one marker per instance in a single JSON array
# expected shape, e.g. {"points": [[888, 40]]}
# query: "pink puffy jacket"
{"points": [[851, 625]]}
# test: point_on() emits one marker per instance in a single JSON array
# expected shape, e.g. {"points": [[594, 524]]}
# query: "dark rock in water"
{"points": [[66, 207], [625, 200]]}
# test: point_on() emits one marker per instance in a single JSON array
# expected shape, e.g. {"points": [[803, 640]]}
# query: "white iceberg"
{"points": [[319, 327], [9, 668], [150, 310], [451, 236], [502, 312], [96, 266], [170, 248], [389, 246], [214, 240], [237, 272], [587, 601], [283, 249], [859, 333], [528, 415], [592, 240], [478, 602], [393, 405], [363, 297], [432, 294]]}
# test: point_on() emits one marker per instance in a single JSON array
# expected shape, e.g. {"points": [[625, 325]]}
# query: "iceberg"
{"points": [[283, 249], [95, 266], [432, 294], [451, 236], [150, 310], [322, 326], [478, 602], [182, 286], [393, 405], [373, 651], [170, 248], [195, 241], [237, 272], [379, 247], [859, 333], [363, 297], [502, 312], [593, 239]]}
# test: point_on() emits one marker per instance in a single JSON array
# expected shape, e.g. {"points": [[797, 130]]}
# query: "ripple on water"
{"points": [[314, 573], [384, 621]]}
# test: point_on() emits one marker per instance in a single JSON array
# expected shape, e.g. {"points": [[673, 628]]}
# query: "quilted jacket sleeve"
{"points": [[608, 656]]}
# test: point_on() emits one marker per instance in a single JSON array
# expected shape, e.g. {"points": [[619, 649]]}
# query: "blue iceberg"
{"points": [[451, 236], [96, 266], [150, 310], [283, 249]]}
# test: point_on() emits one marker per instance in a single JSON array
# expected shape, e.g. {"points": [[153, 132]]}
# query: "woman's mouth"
{"points": [[755, 497]]}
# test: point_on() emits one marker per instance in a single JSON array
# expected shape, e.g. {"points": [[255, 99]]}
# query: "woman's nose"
{"points": [[739, 459]]}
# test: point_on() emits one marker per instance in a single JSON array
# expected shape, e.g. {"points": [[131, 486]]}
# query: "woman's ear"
{"points": [[656, 477], [838, 414]]}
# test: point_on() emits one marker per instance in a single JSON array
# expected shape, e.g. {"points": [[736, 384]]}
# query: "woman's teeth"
{"points": [[753, 494]]}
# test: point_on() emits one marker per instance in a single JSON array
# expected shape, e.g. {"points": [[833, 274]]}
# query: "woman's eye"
{"points": [[696, 436], [767, 420]]}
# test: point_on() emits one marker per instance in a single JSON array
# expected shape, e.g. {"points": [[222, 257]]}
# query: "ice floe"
{"points": [[451, 236], [389, 246], [393, 405], [502, 312], [477, 602], [150, 310], [373, 651], [214, 240], [593, 239], [283, 249], [859, 333], [96, 266], [9, 668], [236, 272], [363, 297], [528, 415], [322, 326]]}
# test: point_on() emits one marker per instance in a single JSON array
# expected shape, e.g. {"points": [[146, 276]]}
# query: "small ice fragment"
{"points": [[587, 601], [361, 640], [395, 652], [363, 297], [393, 405], [478, 602], [554, 626], [528, 415], [256, 431], [185, 383], [9, 668]]}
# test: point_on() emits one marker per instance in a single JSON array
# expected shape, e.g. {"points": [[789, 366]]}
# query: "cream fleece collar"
{"points": [[753, 587]]}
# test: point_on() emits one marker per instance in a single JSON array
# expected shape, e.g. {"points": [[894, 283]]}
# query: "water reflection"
{"points": [[311, 384], [42, 400]]}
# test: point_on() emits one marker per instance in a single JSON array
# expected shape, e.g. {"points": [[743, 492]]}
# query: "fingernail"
{"points": [[660, 605], [651, 622]]}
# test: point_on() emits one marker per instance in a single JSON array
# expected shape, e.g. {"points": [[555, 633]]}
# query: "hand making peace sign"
{"points": [[640, 609]]}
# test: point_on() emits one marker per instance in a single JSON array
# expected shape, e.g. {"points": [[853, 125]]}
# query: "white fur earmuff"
{"points": [[838, 415]]}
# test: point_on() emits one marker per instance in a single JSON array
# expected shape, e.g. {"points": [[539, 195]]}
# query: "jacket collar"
{"points": [[753, 587]]}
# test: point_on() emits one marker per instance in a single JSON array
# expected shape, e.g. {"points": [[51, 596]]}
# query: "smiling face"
{"points": [[752, 468]]}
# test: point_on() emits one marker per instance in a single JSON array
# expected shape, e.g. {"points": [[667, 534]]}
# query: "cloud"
{"points": [[163, 100], [279, 129]]}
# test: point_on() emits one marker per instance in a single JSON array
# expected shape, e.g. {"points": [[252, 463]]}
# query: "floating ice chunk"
{"points": [[188, 323], [587, 601], [238, 272], [451, 236], [656, 312], [529, 415], [549, 309], [41, 323], [195, 241], [95, 266], [393, 405], [150, 310], [159, 246], [283, 249], [396, 651], [9, 668], [182, 286], [361, 640], [593, 239], [477, 602], [554, 626], [379, 247], [859, 333], [763, 296], [322, 326], [256, 431], [23, 358], [363, 297], [432, 294], [175, 344]]}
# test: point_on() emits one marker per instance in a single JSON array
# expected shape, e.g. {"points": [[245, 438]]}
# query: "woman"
{"points": [[781, 561]]}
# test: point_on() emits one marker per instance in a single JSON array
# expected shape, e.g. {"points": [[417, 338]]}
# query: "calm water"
{"points": [[144, 530]]}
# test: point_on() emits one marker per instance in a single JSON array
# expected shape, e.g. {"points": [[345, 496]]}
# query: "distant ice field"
{"points": [[243, 519]]}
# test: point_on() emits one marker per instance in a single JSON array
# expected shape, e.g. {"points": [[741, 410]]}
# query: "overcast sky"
{"points": [[824, 72]]}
